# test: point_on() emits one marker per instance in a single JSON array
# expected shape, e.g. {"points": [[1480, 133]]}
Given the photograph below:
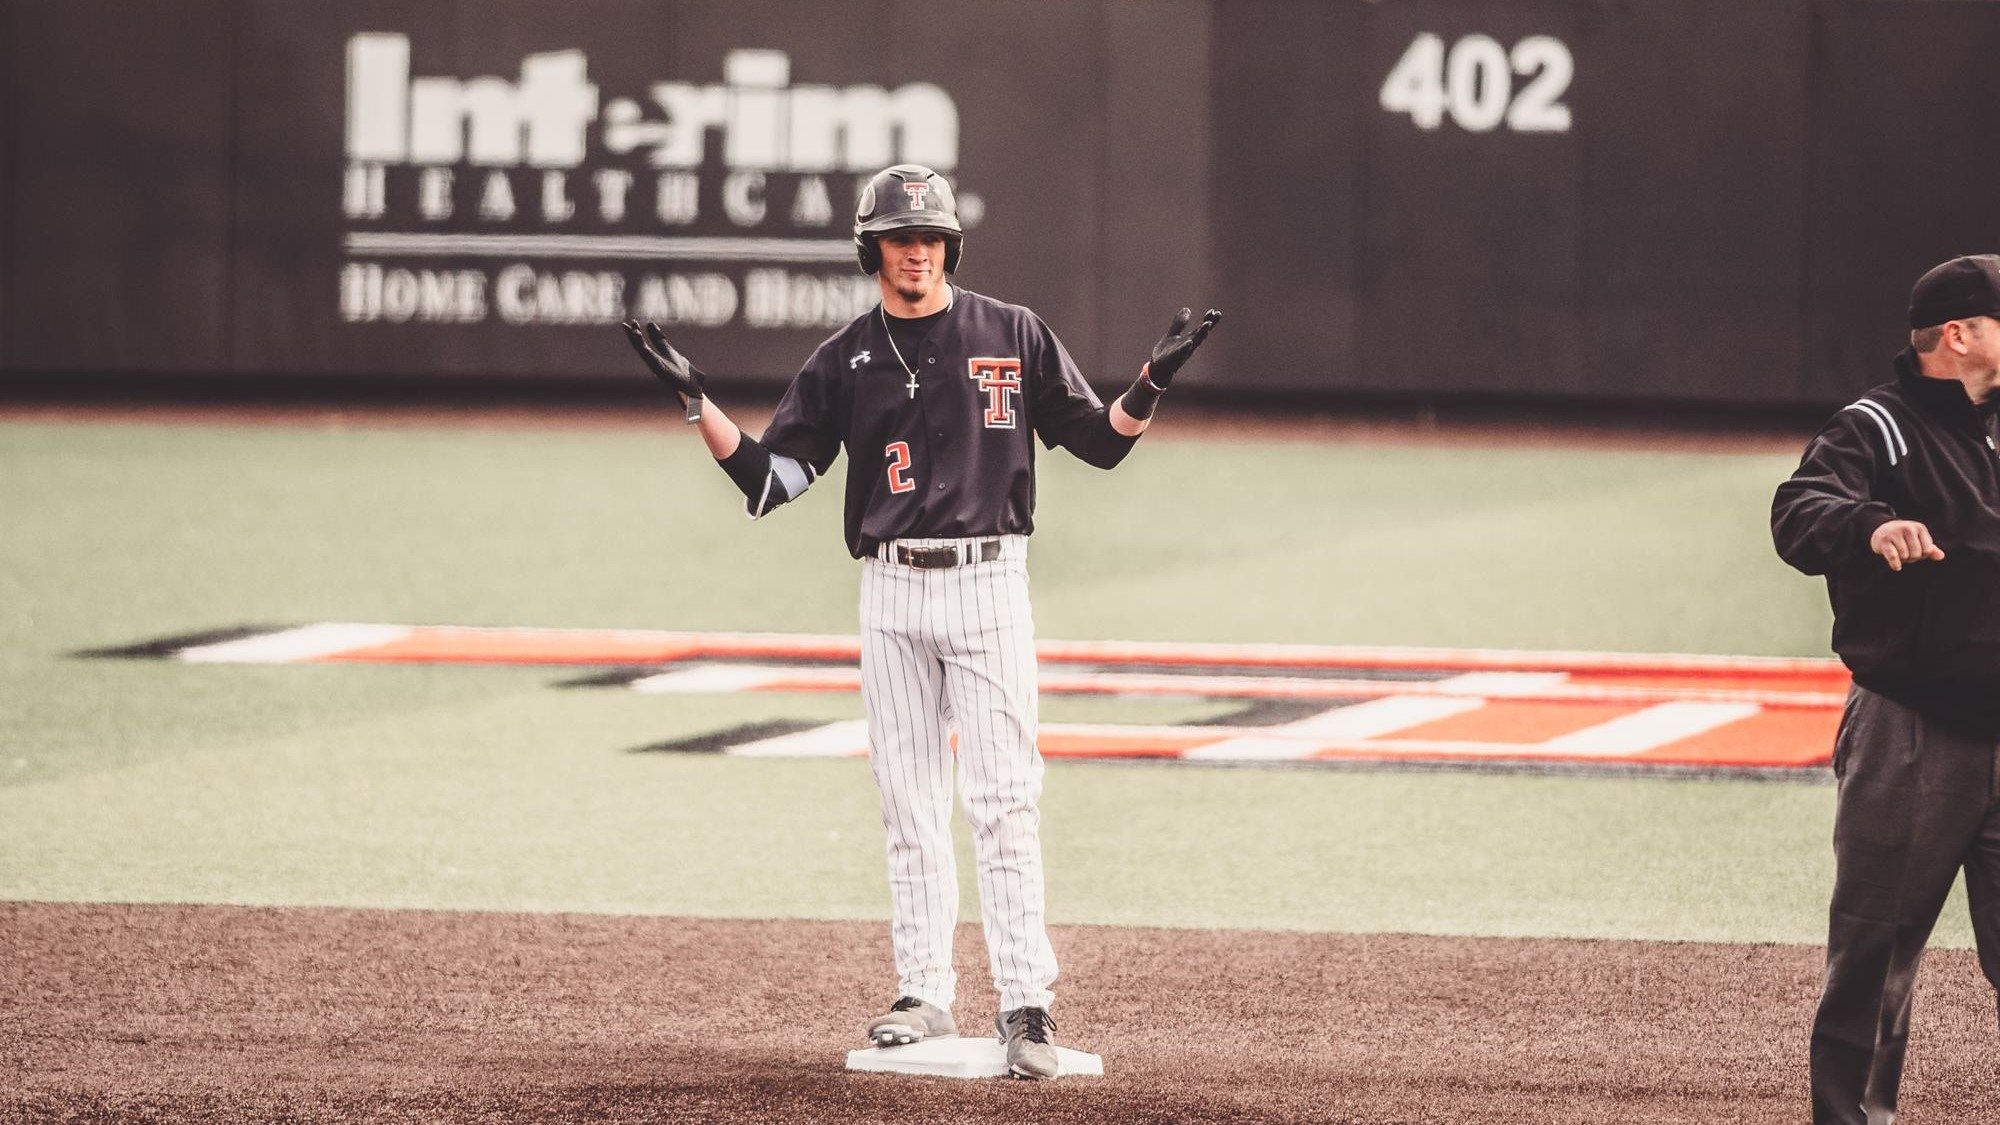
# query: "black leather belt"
{"points": [[938, 558]]}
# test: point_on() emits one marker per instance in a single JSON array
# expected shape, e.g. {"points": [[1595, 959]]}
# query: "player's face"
{"points": [[912, 263]]}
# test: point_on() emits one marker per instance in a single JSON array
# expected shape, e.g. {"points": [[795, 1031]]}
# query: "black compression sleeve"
{"points": [[749, 467], [1095, 443]]}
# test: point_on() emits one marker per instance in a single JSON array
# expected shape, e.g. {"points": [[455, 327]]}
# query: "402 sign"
{"points": [[1472, 82]]}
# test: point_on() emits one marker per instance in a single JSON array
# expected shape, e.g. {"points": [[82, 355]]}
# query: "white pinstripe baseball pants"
{"points": [[955, 647]]}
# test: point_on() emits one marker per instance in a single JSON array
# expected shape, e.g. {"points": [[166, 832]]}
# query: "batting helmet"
{"points": [[906, 197]]}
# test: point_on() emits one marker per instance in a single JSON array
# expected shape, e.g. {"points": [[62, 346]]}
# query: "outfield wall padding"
{"points": [[119, 186], [9, 94], [1906, 180], [1713, 201]]}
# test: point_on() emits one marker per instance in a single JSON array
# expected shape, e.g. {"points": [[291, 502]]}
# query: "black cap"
{"points": [[1961, 288]]}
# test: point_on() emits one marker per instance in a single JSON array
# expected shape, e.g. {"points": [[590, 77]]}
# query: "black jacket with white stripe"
{"points": [[1927, 636]]}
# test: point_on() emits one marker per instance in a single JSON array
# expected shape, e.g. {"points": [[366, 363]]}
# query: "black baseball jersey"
{"points": [[946, 452]]}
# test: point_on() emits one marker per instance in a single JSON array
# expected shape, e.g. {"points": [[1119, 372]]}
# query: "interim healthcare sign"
{"points": [[529, 199]]}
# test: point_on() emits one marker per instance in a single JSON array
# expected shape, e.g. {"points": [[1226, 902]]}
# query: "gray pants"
{"points": [[1918, 802]]}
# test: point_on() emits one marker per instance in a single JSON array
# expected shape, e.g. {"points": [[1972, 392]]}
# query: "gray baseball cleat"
{"points": [[910, 1020], [1030, 1051]]}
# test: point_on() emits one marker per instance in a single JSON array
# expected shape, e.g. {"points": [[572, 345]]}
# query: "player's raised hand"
{"points": [[674, 370], [1904, 541], [1177, 345]]}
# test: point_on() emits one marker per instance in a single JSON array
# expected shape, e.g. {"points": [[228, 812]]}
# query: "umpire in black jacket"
{"points": [[1897, 503]]}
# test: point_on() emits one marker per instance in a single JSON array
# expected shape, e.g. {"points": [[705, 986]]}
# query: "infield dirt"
{"points": [[208, 1013]]}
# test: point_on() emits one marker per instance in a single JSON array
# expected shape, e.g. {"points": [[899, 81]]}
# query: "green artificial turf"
{"points": [[490, 788]]}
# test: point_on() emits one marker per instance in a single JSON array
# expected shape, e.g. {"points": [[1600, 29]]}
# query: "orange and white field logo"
{"points": [[1291, 703]]}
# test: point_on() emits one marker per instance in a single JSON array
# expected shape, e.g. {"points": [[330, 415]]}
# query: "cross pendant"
{"points": [[912, 384]]}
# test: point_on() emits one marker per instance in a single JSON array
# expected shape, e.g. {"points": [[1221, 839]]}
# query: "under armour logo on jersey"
{"points": [[859, 359], [1001, 380], [917, 192]]}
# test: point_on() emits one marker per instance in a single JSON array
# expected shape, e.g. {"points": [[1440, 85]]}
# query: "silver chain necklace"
{"points": [[898, 352]]}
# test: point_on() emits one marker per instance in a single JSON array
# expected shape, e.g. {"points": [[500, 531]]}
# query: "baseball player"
{"points": [[1897, 503], [937, 395]]}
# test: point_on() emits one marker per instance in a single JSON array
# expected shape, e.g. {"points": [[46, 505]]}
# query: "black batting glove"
{"points": [[674, 370], [1173, 350], [1177, 345]]}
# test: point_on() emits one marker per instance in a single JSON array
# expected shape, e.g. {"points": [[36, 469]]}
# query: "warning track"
{"points": [[1299, 703]]}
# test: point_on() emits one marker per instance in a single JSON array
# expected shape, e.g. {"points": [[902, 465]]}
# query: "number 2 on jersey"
{"points": [[898, 453]]}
